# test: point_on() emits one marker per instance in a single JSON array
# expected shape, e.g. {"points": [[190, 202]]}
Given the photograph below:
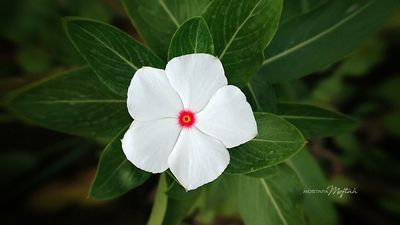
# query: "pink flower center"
{"points": [[186, 118]]}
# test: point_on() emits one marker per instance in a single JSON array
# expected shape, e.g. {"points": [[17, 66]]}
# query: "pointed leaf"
{"points": [[319, 209], [192, 37], [241, 30], [115, 174], [315, 121], [112, 54], [271, 198], [277, 141], [321, 37], [74, 102], [157, 20]]}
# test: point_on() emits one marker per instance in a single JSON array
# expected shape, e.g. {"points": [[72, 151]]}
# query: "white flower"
{"points": [[185, 118]]}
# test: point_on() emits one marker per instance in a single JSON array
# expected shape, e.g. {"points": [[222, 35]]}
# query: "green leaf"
{"points": [[180, 202], [292, 8], [157, 20], [261, 95], [112, 54], [321, 37], [115, 174], [215, 202], [74, 102], [192, 37], [277, 141], [318, 208], [171, 209], [315, 121], [178, 209], [241, 30], [274, 198]]}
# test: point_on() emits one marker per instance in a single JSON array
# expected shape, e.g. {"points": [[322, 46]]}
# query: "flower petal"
{"points": [[197, 158], [228, 117], [150, 96], [196, 77], [148, 144]]}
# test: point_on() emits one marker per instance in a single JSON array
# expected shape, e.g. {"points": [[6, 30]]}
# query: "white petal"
{"points": [[196, 77], [228, 117], [148, 144], [150, 96], [197, 158]]}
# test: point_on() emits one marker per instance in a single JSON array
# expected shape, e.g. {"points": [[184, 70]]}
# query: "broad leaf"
{"points": [[321, 37], [74, 102], [115, 174], [271, 198], [112, 54], [315, 121], [157, 20], [318, 208], [241, 30], [192, 37], [277, 141]]}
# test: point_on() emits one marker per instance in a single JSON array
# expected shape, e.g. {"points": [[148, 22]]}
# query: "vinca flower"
{"points": [[185, 118]]}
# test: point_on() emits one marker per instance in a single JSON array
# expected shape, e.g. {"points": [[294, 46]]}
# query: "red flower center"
{"points": [[186, 118]]}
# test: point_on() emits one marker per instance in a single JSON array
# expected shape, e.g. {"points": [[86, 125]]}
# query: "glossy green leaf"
{"points": [[275, 198], [157, 20], [115, 174], [112, 54], [192, 37], [277, 140], [74, 102], [241, 30], [315, 121], [321, 37], [319, 209]]}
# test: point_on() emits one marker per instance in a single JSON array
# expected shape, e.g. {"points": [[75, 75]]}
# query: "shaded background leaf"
{"points": [[90, 111], [315, 121], [158, 20], [168, 208], [263, 200], [112, 54], [318, 208], [338, 27], [115, 174]]}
